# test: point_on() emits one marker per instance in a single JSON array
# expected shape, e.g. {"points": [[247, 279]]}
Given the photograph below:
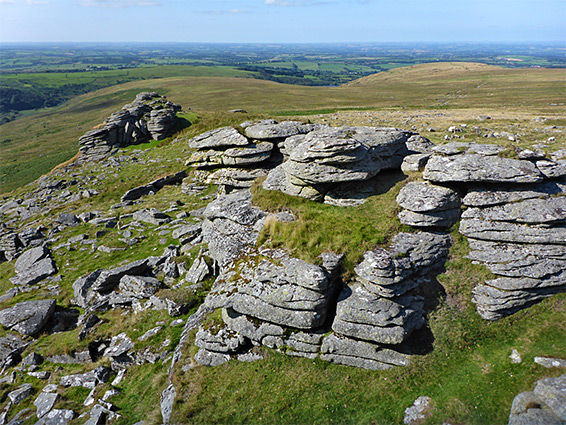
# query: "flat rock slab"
{"points": [[353, 352], [425, 197], [217, 138], [501, 231], [529, 211], [28, 317], [487, 197], [468, 168], [271, 130]]}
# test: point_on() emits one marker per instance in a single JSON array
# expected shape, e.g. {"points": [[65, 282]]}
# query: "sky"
{"points": [[280, 21]]}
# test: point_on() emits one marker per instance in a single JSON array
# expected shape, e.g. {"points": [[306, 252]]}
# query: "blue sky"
{"points": [[279, 21]]}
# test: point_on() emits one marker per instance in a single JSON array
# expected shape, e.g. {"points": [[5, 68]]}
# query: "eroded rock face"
{"points": [[330, 156], [229, 226], [282, 290], [149, 116]]}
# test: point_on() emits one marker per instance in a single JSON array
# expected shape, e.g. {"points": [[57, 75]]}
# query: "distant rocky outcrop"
{"points": [[148, 117]]}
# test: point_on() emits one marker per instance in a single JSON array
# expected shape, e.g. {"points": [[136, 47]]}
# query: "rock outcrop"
{"points": [[314, 160], [148, 117], [514, 219]]}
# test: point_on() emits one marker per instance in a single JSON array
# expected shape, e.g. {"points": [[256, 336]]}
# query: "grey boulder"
{"points": [[28, 317]]}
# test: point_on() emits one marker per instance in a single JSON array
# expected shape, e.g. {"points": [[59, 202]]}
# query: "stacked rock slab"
{"points": [[235, 157], [318, 160], [427, 205], [515, 222], [377, 313], [270, 298], [149, 116], [325, 158]]}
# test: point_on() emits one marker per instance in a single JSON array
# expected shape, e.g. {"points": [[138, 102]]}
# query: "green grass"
{"points": [[345, 230]]}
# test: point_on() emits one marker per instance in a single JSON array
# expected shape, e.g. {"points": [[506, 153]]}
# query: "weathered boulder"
{"points": [[139, 286], [21, 393], [28, 317], [427, 205], [425, 197], [228, 227], [152, 216], [252, 153], [394, 271], [335, 155], [87, 380], [45, 402], [119, 345], [10, 348], [32, 266], [283, 290], [362, 315]]}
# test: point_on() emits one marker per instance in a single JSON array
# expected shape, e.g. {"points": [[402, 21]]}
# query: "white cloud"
{"points": [[6, 1], [37, 2], [294, 3], [119, 3], [224, 12]]}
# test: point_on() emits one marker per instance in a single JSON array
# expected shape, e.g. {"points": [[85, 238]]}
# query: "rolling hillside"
{"points": [[32, 145]]}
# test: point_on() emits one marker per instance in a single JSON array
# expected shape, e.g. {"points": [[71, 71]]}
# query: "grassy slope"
{"points": [[32, 145]]}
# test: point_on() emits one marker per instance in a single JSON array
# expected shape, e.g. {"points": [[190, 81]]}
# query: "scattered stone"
{"points": [[45, 403], [515, 356], [549, 362], [33, 266], [20, 394], [152, 216], [167, 401], [419, 411], [119, 345], [87, 380]]}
